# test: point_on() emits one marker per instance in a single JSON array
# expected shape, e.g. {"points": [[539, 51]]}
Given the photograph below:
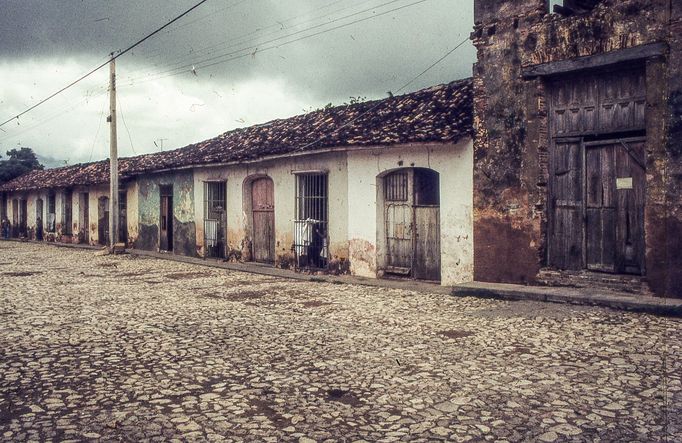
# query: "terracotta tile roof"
{"points": [[441, 113]]}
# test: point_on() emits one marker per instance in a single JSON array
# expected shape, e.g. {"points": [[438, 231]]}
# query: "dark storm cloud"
{"points": [[367, 58]]}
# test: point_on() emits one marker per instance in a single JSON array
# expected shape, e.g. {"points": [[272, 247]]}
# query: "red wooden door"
{"points": [[263, 213]]}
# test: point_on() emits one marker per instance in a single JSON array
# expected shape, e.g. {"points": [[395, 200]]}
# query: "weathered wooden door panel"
{"points": [[600, 208], [412, 217], [85, 216], [103, 220], [427, 243], [615, 207], [630, 201], [399, 237], [598, 103], [263, 210], [566, 206]]}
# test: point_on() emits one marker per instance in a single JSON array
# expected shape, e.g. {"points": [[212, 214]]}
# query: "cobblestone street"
{"points": [[131, 348]]}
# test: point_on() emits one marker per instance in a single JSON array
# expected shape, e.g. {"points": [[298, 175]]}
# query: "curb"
{"points": [[644, 304]]}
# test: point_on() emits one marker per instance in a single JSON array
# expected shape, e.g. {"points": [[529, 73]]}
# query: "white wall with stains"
{"points": [[454, 163], [282, 172]]}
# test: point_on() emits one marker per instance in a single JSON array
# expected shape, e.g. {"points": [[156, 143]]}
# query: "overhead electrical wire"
{"points": [[114, 56], [99, 124], [380, 102], [236, 54], [243, 37], [53, 115], [279, 24], [120, 109]]}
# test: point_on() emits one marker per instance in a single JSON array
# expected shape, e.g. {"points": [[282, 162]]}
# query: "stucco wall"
{"points": [[281, 171], [454, 163], [148, 211]]}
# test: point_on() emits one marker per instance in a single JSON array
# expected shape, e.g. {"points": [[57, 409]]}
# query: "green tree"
{"points": [[19, 162]]}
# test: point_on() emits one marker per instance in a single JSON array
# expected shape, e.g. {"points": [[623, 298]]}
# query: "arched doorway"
{"points": [[263, 219], [411, 218]]}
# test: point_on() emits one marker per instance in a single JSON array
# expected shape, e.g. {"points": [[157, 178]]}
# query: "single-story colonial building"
{"points": [[380, 188]]}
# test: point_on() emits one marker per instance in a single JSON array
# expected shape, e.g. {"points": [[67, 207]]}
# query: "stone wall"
{"points": [[511, 147]]}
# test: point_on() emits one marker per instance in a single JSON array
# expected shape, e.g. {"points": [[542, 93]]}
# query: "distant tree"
{"points": [[19, 162]]}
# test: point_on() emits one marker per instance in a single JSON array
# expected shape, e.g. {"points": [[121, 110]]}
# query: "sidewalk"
{"points": [[582, 296]]}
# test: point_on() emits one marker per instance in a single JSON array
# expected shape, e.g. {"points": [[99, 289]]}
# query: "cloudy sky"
{"points": [[227, 64]]}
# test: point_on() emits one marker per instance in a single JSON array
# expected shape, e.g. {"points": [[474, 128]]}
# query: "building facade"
{"points": [[375, 189], [577, 168]]}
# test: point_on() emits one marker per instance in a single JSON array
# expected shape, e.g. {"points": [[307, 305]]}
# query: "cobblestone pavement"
{"points": [[126, 348]]}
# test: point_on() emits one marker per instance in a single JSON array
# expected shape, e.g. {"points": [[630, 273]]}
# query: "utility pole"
{"points": [[113, 158]]}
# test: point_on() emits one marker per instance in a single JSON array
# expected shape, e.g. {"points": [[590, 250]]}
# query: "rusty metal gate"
{"points": [[214, 218], [263, 219], [412, 223]]}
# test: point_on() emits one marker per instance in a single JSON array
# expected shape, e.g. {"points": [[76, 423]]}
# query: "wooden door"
{"points": [[399, 237], [39, 219], [166, 219], [85, 216], [263, 219], [103, 220], [615, 206], [566, 205], [427, 242], [412, 217]]}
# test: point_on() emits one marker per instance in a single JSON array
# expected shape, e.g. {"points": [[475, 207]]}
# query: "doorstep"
{"points": [[580, 296]]}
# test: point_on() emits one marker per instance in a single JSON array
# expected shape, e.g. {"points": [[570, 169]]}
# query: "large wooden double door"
{"points": [[597, 172], [412, 223], [597, 206]]}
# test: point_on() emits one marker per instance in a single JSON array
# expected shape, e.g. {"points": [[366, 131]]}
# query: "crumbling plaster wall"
{"points": [[454, 163], [149, 211], [511, 147], [281, 171]]}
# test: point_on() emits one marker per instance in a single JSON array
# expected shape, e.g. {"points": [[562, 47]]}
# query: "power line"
{"points": [[99, 124], [257, 49], [204, 63], [113, 57], [380, 102], [120, 109], [176, 61]]}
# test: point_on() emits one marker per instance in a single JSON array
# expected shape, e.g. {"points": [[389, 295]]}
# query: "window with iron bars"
{"points": [[215, 205], [311, 243]]}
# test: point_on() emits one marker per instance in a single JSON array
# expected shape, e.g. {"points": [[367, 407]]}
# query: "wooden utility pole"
{"points": [[113, 158]]}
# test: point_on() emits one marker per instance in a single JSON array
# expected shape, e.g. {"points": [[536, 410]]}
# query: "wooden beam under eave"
{"points": [[595, 61]]}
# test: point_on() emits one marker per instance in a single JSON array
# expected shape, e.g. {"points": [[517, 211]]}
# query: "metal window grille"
{"points": [[67, 216], [51, 212], [395, 187], [311, 243], [215, 204]]}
